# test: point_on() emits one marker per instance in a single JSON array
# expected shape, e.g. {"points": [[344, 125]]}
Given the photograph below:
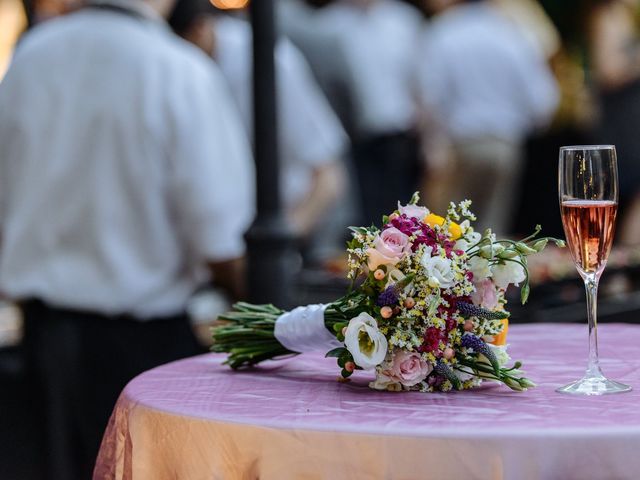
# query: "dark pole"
{"points": [[269, 239]]}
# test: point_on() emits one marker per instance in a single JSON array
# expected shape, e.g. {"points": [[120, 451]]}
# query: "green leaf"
{"points": [[336, 352]]}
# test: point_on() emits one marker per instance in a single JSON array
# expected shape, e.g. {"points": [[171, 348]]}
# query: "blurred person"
{"points": [[532, 21], [377, 40], [614, 53], [312, 141], [124, 173], [299, 21], [484, 88]]}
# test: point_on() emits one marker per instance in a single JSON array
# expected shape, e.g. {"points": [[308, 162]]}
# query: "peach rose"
{"points": [[389, 248], [408, 368]]}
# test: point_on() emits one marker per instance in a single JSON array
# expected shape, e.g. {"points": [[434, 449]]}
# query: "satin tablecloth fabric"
{"points": [[196, 419]]}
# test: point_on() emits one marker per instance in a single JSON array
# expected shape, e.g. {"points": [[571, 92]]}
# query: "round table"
{"points": [[290, 419]]}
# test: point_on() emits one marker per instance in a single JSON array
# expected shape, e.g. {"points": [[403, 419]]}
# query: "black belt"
{"points": [[34, 304]]}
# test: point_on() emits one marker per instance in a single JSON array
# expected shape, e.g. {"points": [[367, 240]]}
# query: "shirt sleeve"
{"points": [[432, 76], [540, 92], [212, 170], [310, 131]]}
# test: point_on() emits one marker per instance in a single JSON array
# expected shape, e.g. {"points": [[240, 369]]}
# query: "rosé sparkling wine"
{"points": [[589, 226]]}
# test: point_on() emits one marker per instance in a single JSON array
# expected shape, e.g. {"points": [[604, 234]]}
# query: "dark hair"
{"points": [[185, 12]]}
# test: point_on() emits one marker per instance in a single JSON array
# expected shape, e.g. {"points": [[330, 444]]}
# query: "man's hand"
{"points": [[230, 276]]}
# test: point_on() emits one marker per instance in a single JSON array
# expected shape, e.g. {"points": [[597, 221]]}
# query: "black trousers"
{"points": [[389, 171], [78, 363]]}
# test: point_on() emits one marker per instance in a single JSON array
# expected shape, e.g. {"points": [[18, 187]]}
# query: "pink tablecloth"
{"points": [[196, 419]]}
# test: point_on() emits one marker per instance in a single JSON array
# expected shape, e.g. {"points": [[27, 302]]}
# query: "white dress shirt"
{"points": [[123, 166], [310, 132], [480, 77], [378, 43]]}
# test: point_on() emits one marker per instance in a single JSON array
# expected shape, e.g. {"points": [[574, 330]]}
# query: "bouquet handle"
{"points": [[303, 330]]}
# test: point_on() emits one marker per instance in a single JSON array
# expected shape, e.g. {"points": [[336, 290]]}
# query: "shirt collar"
{"points": [[137, 7]]}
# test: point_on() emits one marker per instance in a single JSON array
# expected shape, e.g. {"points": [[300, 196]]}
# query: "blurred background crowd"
{"points": [[376, 99]]}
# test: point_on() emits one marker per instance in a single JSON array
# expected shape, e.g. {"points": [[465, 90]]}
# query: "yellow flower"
{"points": [[432, 219]]}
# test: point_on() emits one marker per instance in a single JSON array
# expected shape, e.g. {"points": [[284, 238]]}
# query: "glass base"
{"points": [[598, 385]]}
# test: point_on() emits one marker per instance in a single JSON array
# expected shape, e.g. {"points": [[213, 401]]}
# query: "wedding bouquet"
{"points": [[425, 311]]}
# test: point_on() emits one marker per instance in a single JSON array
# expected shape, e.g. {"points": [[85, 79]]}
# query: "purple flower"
{"points": [[471, 341], [468, 310], [388, 297], [405, 224], [479, 346]]}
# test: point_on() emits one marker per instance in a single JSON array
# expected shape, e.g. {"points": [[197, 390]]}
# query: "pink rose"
{"points": [[388, 248], [485, 295], [408, 368], [413, 211]]}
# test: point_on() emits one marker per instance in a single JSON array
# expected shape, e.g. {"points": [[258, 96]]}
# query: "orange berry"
{"points": [[386, 312], [379, 274]]}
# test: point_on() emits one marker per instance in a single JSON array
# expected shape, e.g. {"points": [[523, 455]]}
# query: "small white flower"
{"points": [[438, 269], [510, 272], [480, 268], [365, 342], [466, 242]]}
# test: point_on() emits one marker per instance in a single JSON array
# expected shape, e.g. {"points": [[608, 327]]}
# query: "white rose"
{"points": [[367, 344], [438, 270], [480, 268], [510, 272], [500, 352]]}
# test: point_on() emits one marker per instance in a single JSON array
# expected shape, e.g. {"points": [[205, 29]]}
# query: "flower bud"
{"points": [[487, 252], [508, 253], [540, 244], [525, 249]]}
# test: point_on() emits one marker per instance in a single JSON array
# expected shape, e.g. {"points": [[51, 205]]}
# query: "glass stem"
{"points": [[591, 286]]}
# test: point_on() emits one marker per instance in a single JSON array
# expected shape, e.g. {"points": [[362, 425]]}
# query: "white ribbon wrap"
{"points": [[302, 330]]}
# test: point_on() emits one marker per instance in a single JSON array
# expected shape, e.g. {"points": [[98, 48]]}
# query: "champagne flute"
{"points": [[588, 188]]}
